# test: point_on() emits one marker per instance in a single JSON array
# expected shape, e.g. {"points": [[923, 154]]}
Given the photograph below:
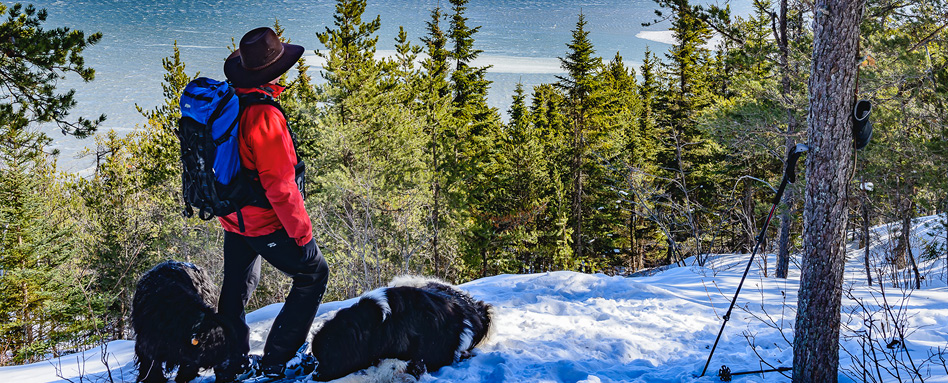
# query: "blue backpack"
{"points": [[213, 180]]}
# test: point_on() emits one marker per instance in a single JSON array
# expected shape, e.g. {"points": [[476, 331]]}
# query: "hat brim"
{"points": [[244, 78]]}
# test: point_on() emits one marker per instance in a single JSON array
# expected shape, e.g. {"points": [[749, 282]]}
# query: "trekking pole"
{"points": [[789, 176]]}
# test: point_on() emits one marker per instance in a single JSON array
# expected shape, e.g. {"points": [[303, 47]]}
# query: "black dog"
{"points": [[175, 322], [430, 324]]}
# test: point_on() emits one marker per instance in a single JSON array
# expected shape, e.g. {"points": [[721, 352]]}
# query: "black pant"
{"points": [[241, 274]]}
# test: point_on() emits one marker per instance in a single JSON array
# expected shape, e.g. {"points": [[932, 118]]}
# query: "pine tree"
{"points": [[689, 157], [832, 94], [33, 60], [371, 187], [551, 126], [477, 130], [522, 177], [351, 69], [40, 298], [582, 89], [437, 108]]}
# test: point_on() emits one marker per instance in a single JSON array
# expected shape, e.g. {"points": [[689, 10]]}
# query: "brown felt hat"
{"points": [[260, 58]]}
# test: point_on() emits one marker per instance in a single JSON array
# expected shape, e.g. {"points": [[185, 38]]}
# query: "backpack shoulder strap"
{"points": [[260, 98]]}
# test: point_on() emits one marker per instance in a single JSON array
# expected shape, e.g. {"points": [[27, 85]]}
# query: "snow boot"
{"points": [[300, 364], [238, 369]]}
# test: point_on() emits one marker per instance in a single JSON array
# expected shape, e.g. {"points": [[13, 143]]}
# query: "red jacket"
{"points": [[266, 146]]}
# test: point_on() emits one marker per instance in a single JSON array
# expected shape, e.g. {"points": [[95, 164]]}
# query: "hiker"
{"points": [[282, 234]]}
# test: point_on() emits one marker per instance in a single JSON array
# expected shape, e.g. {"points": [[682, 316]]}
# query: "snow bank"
{"points": [[571, 327]]}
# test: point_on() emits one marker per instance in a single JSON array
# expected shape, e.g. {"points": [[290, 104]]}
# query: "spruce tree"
{"points": [[371, 185], [582, 89], [40, 298], [477, 130], [688, 156], [163, 148], [442, 165], [551, 125], [351, 69], [523, 177], [468, 84]]}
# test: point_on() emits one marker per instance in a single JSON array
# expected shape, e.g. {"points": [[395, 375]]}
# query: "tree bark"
{"points": [[577, 203], [783, 41], [865, 232], [831, 96], [783, 246]]}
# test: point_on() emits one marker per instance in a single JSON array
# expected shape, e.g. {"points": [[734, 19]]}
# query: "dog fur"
{"points": [[428, 323], [174, 318]]}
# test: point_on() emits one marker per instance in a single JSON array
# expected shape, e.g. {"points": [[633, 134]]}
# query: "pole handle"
{"points": [[791, 171]]}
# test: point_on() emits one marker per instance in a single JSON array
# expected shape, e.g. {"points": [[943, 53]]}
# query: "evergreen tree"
{"points": [[688, 157], [832, 94], [351, 69], [551, 125], [468, 83], [437, 108], [42, 305], [41, 301], [368, 197], [634, 137], [33, 60], [123, 236], [476, 128], [163, 148], [523, 175], [583, 92]]}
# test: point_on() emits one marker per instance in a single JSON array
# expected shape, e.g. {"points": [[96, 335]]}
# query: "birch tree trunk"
{"points": [[832, 87]]}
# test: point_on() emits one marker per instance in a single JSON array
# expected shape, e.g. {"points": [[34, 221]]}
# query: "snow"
{"points": [[572, 327]]}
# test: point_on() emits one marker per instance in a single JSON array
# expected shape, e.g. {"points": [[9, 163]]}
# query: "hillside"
{"points": [[572, 327]]}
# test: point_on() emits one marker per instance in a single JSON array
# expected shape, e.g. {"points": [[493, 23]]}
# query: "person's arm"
{"points": [[275, 159]]}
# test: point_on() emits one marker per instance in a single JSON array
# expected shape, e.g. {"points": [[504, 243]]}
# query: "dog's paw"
{"points": [[416, 368]]}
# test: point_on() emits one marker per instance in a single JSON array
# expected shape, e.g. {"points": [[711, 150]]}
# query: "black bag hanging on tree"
{"points": [[862, 127]]}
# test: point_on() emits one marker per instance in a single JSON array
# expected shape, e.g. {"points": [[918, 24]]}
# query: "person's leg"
{"points": [[293, 323], [241, 274]]}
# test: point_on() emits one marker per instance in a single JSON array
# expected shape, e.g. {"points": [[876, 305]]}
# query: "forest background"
{"points": [[610, 169]]}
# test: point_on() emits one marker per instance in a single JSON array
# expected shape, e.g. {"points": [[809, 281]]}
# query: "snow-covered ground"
{"points": [[571, 327]]}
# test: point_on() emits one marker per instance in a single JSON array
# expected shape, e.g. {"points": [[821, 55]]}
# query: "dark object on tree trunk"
{"points": [[862, 127], [725, 373], [789, 176]]}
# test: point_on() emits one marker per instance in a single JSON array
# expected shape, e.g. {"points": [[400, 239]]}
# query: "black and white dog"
{"points": [[175, 322], [428, 323]]}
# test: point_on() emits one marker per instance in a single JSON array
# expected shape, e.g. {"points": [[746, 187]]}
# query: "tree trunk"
{"points": [[783, 246], [631, 228], [906, 238], [578, 188], [865, 232], [832, 96], [747, 205], [783, 41], [900, 258], [436, 224]]}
